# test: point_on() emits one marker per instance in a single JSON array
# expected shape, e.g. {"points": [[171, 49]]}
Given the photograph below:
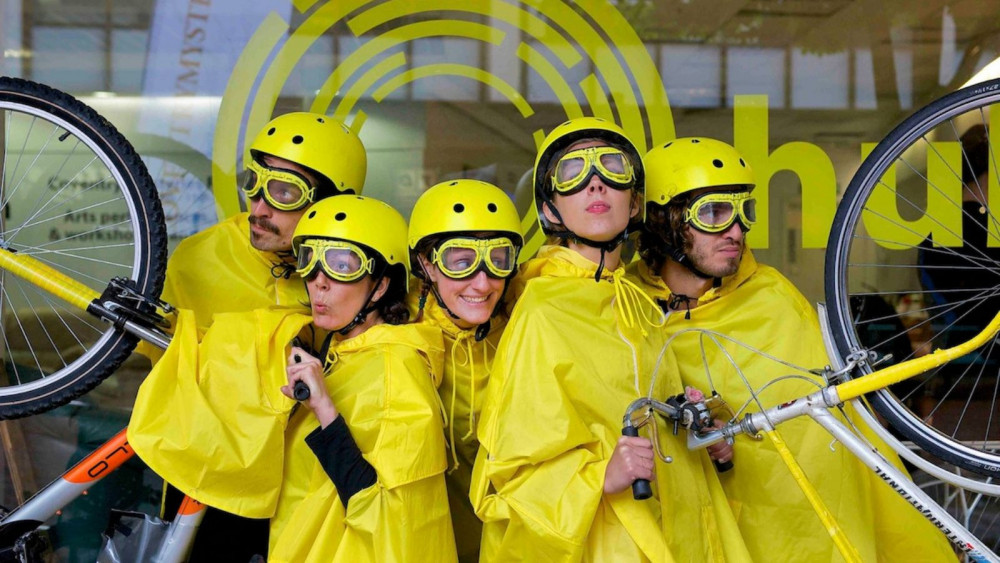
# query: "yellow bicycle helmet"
{"points": [[462, 206], [565, 135], [361, 220], [319, 143], [692, 163]]}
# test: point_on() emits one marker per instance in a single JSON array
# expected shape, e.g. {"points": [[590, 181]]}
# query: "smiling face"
{"points": [[335, 304], [473, 299], [597, 212]]}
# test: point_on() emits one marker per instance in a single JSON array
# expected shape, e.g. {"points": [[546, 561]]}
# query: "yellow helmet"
{"points": [[319, 143], [565, 135], [361, 220], [464, 206], [692, 163]]}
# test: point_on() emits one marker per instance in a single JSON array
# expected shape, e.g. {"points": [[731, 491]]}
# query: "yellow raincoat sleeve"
{"points": [[539, 475], [210, 418], [389, 402]]}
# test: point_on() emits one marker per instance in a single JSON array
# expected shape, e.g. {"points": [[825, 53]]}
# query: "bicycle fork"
{"points": [[816, 406], [49, 501]]}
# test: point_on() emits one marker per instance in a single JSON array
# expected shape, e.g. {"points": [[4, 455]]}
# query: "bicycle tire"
{"points": [[73, 193], [894, 274]]}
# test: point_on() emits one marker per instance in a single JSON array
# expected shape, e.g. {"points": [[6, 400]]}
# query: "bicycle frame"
{"points": [[46, 503], [817, 406]]}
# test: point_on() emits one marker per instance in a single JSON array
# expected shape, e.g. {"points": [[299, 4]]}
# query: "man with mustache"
{"points": [[245, 263], [696, 264]]}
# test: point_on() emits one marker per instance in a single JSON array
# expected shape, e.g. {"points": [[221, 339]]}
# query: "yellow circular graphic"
{"points": [[557, 41]]}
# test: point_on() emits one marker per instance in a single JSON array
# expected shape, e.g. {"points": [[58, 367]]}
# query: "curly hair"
{"points": [[664, 226]]}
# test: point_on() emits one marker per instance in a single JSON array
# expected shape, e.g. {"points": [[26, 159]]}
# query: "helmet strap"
{"points": [[604, 247], [367, 308], [285, 267]]}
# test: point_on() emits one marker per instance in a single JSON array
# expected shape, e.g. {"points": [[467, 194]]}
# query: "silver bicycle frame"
{"points": [[44, 504]]}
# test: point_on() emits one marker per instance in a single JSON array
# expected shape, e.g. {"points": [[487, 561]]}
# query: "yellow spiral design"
{"points": [[554, 39]]}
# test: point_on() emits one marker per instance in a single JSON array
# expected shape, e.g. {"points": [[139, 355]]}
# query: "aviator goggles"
{"points": [[461, 258], [283, 190], [574, 169], [716, 212], [340, 260]]}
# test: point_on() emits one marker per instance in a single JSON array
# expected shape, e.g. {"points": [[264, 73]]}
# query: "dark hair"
{"points": [[548, 197], [664, 226], [976, 146], [392, 306]]}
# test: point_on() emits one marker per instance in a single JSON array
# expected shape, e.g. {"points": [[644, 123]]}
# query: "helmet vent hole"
{"points": [[321, 120], [340, 216], [312, 214], [668, 144], [717, 163], [297, 139], [743, 164], [492, 207], [459, 208], [455, 183], [696, 141], [270, 131]]}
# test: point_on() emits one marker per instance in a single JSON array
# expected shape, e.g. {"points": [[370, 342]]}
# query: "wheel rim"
{"points": [[905, 293], [83, 179]]}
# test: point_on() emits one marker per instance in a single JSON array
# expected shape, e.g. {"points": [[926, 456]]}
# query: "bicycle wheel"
{"points": [[75, 195], [913, 264]]}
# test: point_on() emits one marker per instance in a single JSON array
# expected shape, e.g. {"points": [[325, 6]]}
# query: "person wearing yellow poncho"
{"points": [[355, 472], [464, 239], [245, 262], [696, 264], [250, 252], [553, 474]]}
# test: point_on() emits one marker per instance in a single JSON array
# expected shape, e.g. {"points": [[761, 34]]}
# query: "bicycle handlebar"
{"points": [[694, 416]]}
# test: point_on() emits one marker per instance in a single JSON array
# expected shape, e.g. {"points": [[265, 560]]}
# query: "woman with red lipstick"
{"points": [[465, 236], [358, 473], [553, 474]]}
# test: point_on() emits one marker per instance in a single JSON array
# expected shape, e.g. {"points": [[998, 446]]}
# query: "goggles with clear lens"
{"points": [[340, 260], [283, 190], [461, 258], [716, 212], [575, 168]]}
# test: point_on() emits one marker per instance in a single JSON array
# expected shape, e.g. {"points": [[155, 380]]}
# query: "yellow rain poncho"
{"points": [[561, 381], [219, 271], [211, 420], [759, 307], [466, 373]]}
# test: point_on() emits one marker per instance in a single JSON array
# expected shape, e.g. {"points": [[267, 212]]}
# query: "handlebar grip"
{"points": [[640, 487], [300, 391], [723, 466]]}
